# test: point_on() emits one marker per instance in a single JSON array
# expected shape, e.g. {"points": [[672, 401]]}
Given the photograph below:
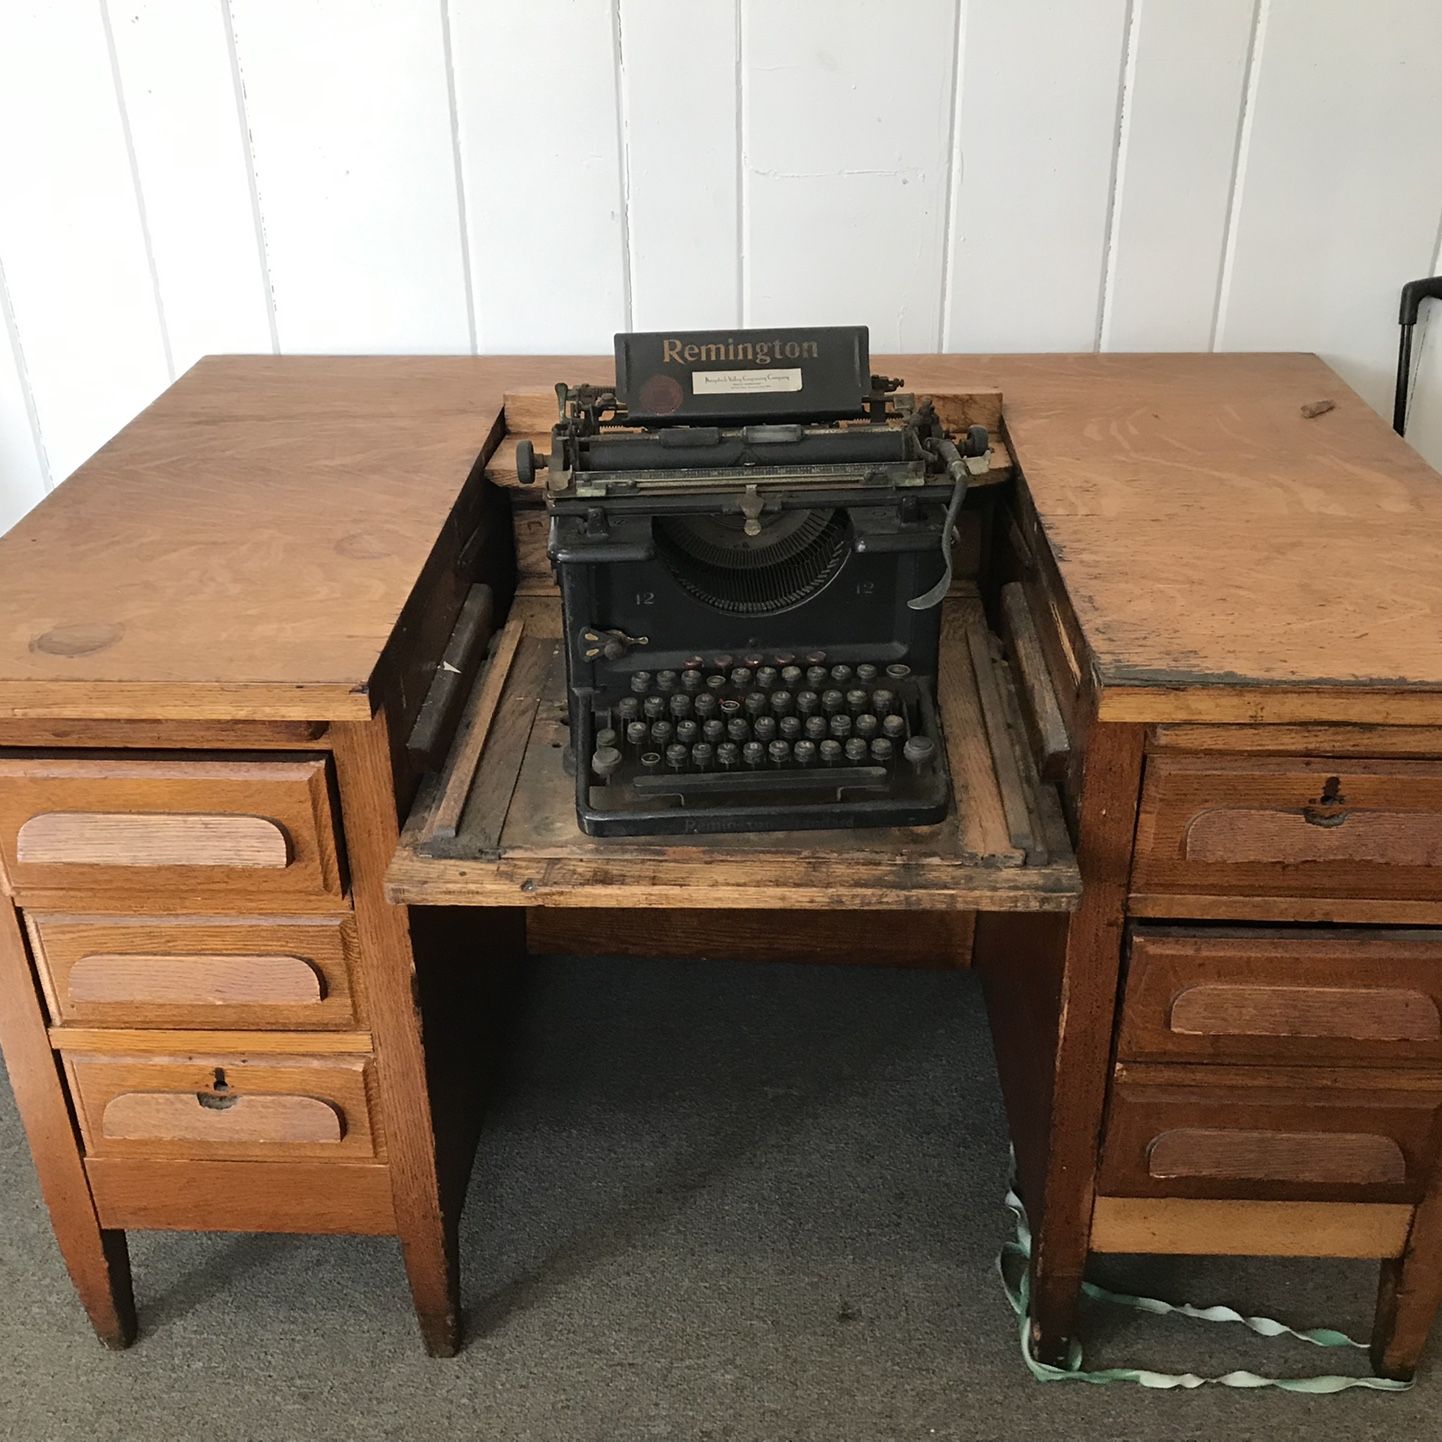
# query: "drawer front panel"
{"points": [[257, 829], [1260, 826], [222, 1106], [222, 973], [1278, 996], [1270, 1135]]}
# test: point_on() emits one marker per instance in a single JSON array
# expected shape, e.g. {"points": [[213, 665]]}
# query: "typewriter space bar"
{"points": [[713, 783]]}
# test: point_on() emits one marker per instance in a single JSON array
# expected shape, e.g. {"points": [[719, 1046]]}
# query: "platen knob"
{"points": [[526, 463]]}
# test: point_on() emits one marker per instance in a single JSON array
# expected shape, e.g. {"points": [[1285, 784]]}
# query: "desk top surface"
{"points": [[248, 542]]}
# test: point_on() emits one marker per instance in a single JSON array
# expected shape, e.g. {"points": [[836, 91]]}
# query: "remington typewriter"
{"points": [[752, 536]]}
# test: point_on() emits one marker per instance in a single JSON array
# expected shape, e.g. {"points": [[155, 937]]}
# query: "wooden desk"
{"points": [[1228, 1041]]}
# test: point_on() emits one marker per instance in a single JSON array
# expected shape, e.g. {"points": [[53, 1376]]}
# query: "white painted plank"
{"points": [[540, 152], [178, 87], [22, 476], [71, 239], [1424, 415], [1037, 133], [351, 132], [679, 112], [1340, 179], [846, 144], [1185, 82]]}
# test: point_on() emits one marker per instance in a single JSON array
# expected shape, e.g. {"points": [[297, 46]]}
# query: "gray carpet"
{"points": [[714, 1201]]}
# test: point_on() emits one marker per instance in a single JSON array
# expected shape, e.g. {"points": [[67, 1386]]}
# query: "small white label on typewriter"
{"points": [[734, 383]]}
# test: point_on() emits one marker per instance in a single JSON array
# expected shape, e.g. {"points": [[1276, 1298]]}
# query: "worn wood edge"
{"points": [[455, 672], [332, 1197], [182, 701], [1188, 1227], [1046, 724], [1343, 740], [1356, 702], [299, 1046], [1178, 906]]}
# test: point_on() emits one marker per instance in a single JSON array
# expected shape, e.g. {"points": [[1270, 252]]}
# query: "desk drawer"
{"points": [[224, 1106], [1270, 1134], [1261, 826], [245, 829], [1274, 995], [237, 973]]}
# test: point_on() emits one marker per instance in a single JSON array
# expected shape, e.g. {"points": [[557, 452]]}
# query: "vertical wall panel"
{"points": [[71, 238], [350, 118], [22, 480], [846, 143], [679, 113], [1424, 419], [1037, 133], [179, 92], [1185, 81], [1339, 184], [539, 131]]}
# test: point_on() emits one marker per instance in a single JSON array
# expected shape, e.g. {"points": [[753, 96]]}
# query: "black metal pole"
{"points": [[1413, 294]]}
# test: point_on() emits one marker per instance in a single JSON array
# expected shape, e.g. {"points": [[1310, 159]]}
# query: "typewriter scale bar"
{"points": [[1002, 844]]}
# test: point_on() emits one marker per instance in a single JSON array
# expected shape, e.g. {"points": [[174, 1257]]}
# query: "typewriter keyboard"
{"points": [[760, 743]]}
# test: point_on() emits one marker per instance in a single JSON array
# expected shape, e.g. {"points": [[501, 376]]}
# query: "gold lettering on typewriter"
{"points": [[732, 352]]}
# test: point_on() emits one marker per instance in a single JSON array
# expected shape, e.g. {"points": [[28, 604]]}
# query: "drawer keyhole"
{"points": [[217, 1100]]}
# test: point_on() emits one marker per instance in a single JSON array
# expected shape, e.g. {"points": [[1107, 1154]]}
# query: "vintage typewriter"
{"points": [[752, 536]]}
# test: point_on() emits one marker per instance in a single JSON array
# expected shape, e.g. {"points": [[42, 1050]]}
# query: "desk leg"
{"points": [[1409, 1293], [1051, 985], [96, 1258], [426, 1227]]}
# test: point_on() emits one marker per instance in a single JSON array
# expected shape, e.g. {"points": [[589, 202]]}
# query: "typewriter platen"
{"points": [[752, 538]]}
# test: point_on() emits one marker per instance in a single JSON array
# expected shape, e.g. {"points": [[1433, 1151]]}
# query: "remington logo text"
{"points": [[760, 352]]}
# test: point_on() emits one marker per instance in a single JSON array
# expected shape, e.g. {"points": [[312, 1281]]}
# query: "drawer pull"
{"points": [[181, 979], [94, 838], [202, 1117], [1322, 1158], [1361, 1014], [1377, 838]]}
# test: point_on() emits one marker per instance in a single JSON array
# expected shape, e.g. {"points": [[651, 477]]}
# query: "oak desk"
{"points": [[1215, 990]]}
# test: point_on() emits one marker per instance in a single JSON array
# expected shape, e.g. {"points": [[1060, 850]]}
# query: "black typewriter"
{"points": [[752, 536]]}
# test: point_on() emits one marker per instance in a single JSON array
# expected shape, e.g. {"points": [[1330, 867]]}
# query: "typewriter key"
{"points": [[753, 660], [738, 729], [857, 701], [867, 725], [898, 671], [881, 750], [662, 732], [832, 702], [816, 728], [730, 706], [715, 683], [628, 708], [790, 727], [893, 727], [728, 753], [706, 705], [691, 678], [605, 737], [841, 674], [680, 704], [840, 726], [791, 676], [653, 708], [741, 677], [807, 702], [638, 733], [677, 755], [714, 730], [920, 750], [723, 663], [651, 760], [756, 703], [816, 658], [701, 754], [779, 752], [782, 702], [640, 682], [764, 728], [855, 749], [866, 672], [830, 752], [805, 752], [753, 753], [687, 732], [784, 658], [883, 702], [817, 677], [666, 680], [605, 761], [692, 663], [766, 677]]}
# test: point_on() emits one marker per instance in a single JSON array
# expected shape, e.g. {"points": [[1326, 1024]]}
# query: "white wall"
{"points": [[185, 176]]}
